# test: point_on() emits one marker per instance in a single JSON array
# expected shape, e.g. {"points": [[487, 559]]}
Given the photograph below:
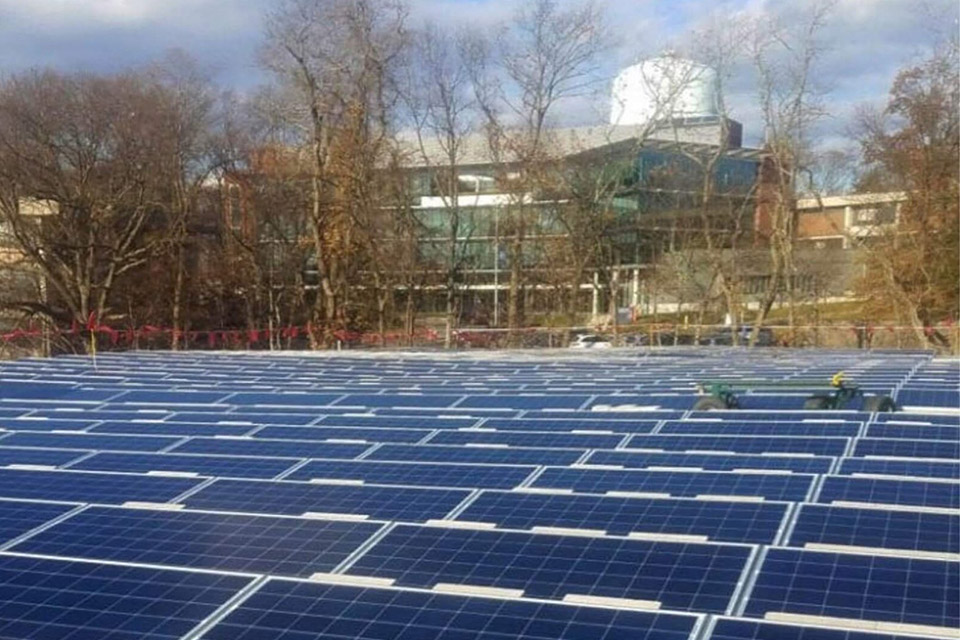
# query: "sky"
{"points": [[866, 41]]}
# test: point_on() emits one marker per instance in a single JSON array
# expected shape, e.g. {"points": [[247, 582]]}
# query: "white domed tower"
{"points": [[664, 88]]}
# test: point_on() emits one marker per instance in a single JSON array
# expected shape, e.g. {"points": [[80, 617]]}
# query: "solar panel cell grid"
{"points": [[859, 587], [76, 486], [741, 522], [678, 483], [286, 610], [877, 528], [67, 600], [296, 498], [891, 491], [257, 544], [419, 474], [688, 577]]}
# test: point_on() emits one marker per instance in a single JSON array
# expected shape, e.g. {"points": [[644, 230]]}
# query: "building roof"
{"points": [[566, 141], [851, 200]]}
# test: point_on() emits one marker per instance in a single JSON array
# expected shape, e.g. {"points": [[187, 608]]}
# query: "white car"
{"points": [[590, 341]]}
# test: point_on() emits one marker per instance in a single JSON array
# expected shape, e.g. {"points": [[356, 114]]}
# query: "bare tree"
{"points": [[545, 56], [441, 106], [77, 188], [335, 60], [913, 265], [785, 59]]}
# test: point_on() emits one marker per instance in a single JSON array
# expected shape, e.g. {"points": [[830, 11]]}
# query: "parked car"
{"points": [[590, 341], [724, 337]]}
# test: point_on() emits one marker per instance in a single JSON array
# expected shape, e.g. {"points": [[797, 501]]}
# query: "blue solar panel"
{"points": [[731, 428], [692, 577], [485, 455], [894, 467], [46, 457], [344, 433], [45, 599], [741, 444], [398, 400], [569, 424], [34, 424], [744, 522], [786, 486], [283, 399], [529, 439], [295, 547], [913, 397], [171, 428], [877, 528], [19, 517], [171, 397], [89, 441], [401, 421], [890, 491], [77, 486], [271, 448], [227, 466], [296, 498], [289, 610], [860, 587], [711, 461], [516, 401], [907, 448], [730, 629], [913, 432], [907, 419], [295, 419], [416, 474]]}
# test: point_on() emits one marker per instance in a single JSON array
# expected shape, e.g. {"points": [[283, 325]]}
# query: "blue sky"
{"points": [[867, 40]]}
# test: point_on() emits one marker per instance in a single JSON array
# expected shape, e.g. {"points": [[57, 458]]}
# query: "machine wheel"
{"points": [[878, 404], [709, 403], [816, 403]]}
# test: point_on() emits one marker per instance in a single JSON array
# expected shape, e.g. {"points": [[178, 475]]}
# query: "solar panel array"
{"points": [[427, 496]]}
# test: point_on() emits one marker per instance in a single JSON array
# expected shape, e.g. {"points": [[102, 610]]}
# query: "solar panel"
{"points": [[901, 467], [523, 402], [743, 522], [913, 432], [297, 498], [716, 461], [741, 444], [291, 610], [321, 467], [908, 448], [295, 547], [271, 448], [88, 486], [226, 466], [485, 455], [398, 421], [345, 433], [688, 577], [89, 441], [529, 439], [416, 474], [171, 428], [877, 528], [731, 428], [35, 424], [69, 600], [858, 587], [771, 486], [19, 517], [731, 629], [44, 457], [891, 491]]}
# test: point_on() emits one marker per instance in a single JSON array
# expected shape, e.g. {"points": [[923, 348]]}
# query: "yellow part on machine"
{"points": [[837, 379]]}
